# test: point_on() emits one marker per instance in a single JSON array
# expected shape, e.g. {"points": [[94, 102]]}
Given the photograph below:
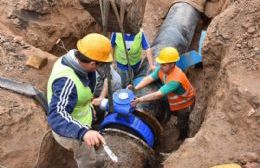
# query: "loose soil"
{"points": [[226, 118]]}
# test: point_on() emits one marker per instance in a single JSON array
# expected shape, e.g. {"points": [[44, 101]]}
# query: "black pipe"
{"points": [[177, 29]]}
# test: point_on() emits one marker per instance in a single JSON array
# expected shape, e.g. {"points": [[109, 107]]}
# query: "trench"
{"points": [[128, 145]]}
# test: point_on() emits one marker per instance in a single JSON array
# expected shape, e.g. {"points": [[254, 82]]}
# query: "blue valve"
{"points": [[123, 115], [121, 101]]}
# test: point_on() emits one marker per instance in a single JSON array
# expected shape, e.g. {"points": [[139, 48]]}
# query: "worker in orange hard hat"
{"points": [[176, 86], [70, 96]]}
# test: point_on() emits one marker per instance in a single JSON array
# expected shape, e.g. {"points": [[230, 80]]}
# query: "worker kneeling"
{"points": [[70, 97], [177, 87]]}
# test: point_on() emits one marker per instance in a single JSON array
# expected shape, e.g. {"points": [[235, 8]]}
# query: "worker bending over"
{"points": [[70, 95], [179, 91]]}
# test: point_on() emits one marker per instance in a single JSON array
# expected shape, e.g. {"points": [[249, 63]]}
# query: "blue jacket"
{"points": [[64, 99]]}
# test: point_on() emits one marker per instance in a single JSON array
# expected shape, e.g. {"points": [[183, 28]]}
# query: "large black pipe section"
{"points": [[177, 29]]}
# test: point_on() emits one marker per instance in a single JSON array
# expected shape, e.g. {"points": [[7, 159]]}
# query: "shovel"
{"points": [[25, 89]]}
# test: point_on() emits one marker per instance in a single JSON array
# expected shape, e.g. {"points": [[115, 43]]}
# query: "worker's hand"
{"points": [[130, 87], [135, 101], [97, 101], [93, 138]]}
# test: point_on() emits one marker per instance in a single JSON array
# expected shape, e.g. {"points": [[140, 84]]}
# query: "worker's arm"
{"points": [[172, 86], [103, 94], [148, 51], [63, 101], [150, 97], [150, 58], [115, 84], [146, 81]]}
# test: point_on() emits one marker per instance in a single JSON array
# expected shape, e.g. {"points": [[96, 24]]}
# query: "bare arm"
{"points": [[146, 81], [150, 97], [150, 58], [103, 94]]}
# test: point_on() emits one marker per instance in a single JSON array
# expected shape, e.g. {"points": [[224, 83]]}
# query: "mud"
{"points": [[131, 151]]}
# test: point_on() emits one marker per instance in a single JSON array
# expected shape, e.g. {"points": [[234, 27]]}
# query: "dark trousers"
{"points": [[183, 116]]}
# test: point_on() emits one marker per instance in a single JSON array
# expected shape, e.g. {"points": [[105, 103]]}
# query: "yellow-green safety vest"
{"points": [[82, 112], [135, 52]]}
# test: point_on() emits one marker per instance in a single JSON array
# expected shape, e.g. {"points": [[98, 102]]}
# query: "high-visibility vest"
{"points": [[178, 102], [135, 52], [82, 112]]}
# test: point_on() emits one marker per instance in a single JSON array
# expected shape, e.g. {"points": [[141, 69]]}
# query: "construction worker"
{"points": [[134, 45], [179, 91], [70, 97]]}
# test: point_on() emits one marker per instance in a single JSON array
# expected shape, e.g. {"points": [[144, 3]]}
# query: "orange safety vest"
{"points": [[178, 102]]}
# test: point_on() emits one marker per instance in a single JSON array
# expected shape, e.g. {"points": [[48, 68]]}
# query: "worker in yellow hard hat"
{"points": [[70, 96], [180, 93]]}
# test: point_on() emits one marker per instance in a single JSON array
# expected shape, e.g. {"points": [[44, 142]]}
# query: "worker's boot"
{"points": [[183, 124], [183, 133]]}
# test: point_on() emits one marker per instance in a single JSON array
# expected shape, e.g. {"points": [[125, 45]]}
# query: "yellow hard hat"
{"points": [[168, 55], [232, 165], [96, 47]]}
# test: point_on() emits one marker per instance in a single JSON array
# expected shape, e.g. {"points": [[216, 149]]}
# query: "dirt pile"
{"points": [[228, 88], [30, 28], [228, 92], [42, 23]]}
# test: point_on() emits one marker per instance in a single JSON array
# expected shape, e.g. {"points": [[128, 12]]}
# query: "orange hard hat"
{"points": [[96, 47]]}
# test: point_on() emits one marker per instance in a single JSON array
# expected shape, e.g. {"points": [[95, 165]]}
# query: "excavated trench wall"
{"points": [[167, 143], [28, 28], [32, 18], [225, 91]]}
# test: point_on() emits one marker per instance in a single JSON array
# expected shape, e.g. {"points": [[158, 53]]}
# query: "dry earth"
{"points": [[228, 88], [228, 92]]}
